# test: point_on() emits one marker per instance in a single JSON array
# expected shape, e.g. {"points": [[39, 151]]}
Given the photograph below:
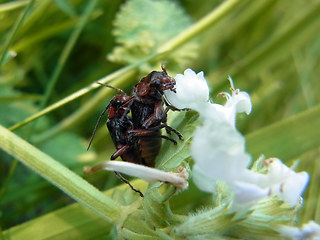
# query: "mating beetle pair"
{"points": [[137, 138]]}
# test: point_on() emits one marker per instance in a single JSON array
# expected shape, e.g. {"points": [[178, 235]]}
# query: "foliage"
{"points": [[142, 26], [51, 54]]}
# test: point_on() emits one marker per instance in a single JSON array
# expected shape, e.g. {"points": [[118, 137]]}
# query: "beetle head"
{"points": [[117, 107], [162, 81]]}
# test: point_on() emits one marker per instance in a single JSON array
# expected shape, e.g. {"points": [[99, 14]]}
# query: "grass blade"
{"points": [[71, 222], [289, 138], [67, 50], [14, 31], [57, 174]]}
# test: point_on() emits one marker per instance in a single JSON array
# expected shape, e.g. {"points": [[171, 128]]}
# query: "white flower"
{"points": [[241, 100], [309, 231], [280, 180], [191, 90], [238, 102], [218, 149], [178, 179], [284, 182]]}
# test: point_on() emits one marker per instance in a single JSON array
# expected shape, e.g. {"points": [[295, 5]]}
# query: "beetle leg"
{"points": [[127, 182], [150, 133], [158, 115], [120, 152], [170, 139], [142, 132], [168, 130]]}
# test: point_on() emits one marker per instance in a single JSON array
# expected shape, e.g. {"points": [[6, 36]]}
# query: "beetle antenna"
{"points": [[117, 89], [164, 69], [97, 125]]}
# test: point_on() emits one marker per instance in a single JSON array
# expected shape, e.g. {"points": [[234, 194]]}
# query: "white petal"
{"points": [[246, 194], [242, 101], [191, 90], [285, 182], [203, 182], [238, 103], [219, 151], [292, 188], [310, 231], [218, 113], [178, 179]]}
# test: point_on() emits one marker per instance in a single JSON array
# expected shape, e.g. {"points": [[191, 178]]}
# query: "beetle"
{"points": [[137, 138], [118, 124], [148, 114]]}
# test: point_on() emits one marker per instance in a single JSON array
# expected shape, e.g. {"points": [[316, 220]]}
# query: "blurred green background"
{"points": [[50, 49]]}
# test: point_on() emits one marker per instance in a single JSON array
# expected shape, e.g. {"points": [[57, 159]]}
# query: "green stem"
{"points": [[200, 26], [14, 31], [86, 110], [67, 50], [115, 75], [62, 177], [68, 99]]}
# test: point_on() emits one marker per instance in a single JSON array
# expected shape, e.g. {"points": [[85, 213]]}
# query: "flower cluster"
{"points": [[310, 231], [218, 148]]}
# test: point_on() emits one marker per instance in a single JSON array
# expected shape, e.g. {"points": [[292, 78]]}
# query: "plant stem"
{"points": [[200, 26], [13, 5], [62, 177], [80, 115]]}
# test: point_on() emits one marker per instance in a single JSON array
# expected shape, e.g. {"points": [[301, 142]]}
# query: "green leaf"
{"points": [[172, 156], [142, 26], [16, 106], [66, 7], [71, 222], [289, 138], [156, 209]]}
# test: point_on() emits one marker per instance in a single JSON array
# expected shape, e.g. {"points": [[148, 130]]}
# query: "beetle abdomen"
{"points": [[150, 147]]}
